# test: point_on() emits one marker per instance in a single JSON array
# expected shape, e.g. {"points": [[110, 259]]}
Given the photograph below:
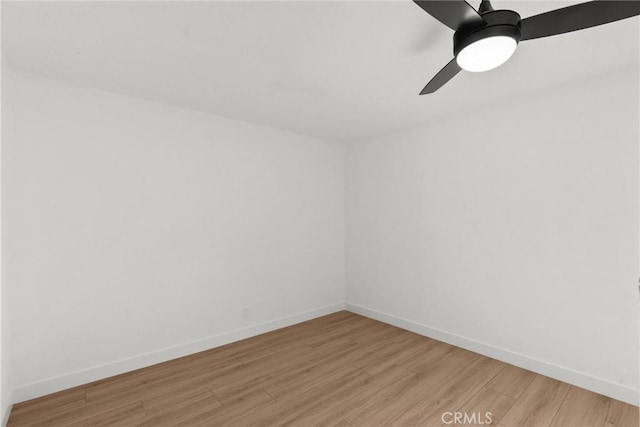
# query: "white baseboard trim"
{"points": [[570, 376], [6, 410], [84, 376]]}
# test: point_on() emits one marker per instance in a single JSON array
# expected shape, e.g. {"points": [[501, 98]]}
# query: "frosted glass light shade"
{"points": [[487, 53]]}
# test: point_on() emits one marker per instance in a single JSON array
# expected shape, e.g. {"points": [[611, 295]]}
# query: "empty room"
{"points": [[320, 213]]}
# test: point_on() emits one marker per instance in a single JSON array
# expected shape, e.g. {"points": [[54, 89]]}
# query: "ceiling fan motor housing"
{"points": [[499, 23]]}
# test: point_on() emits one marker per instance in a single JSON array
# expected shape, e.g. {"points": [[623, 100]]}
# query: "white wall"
{"points": [[136, 232], [512, 231], [5, 355], [132, 227]]}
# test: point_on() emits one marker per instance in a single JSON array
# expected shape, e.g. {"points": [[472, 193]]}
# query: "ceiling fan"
{"points": [[486, 38]]}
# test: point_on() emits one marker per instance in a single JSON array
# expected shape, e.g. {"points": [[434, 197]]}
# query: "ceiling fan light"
{"points": [[486, 53]]}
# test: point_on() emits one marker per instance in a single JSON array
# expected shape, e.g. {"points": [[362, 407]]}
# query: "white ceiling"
{"points": [[337, 70]]}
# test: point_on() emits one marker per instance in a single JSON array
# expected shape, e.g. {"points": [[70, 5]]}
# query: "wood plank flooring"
{"points": [[338, 370]]}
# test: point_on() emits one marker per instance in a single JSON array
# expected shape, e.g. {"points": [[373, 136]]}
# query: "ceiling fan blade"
{"points": [[577, 17], [453, 13], [443, 76]]}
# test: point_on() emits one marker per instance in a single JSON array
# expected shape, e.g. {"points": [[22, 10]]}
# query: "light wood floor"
{"points": [[339, 370]]}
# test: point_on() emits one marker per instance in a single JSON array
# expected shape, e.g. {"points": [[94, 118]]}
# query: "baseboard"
{"points": [[570, 376], [6, 410], [72, 379], [580, 379]]}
